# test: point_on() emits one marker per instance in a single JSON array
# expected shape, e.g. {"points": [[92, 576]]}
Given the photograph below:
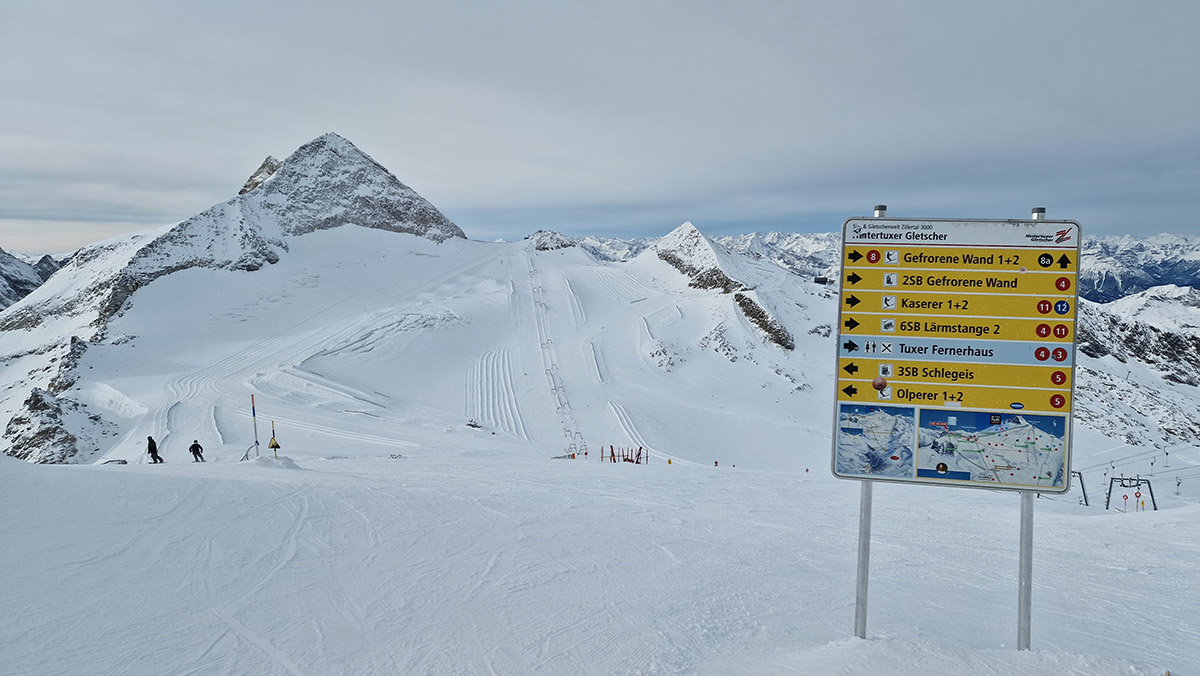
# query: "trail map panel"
{"points": [[956, 352]]}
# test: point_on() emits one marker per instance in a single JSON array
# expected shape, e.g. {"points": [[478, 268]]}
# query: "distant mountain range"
{"points": [[1113, 267], [685, 316]]}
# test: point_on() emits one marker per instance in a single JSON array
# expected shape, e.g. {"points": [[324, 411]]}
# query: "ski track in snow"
{"points": [[593, 359], [432, 565], [491, 394], [186, 410], [576, 305], [622, 285]]}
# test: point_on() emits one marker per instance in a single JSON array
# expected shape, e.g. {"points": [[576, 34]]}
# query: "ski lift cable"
{"points": [[1176, 471], [1135, 458], [1130, 458]]}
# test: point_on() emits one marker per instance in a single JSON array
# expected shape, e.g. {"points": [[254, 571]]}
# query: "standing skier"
{"points": [[197, 451], [152, 449]]}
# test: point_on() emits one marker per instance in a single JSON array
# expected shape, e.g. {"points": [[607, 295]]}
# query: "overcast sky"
{"points": [[609, 118]]}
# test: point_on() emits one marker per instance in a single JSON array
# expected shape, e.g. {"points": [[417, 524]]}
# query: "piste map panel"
{"points": [[956, 352]]}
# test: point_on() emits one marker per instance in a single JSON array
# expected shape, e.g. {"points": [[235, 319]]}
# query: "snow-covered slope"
{"points": [[463, 558], [1141, 367], [398, 334]]}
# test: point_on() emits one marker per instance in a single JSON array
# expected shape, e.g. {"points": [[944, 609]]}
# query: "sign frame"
{"points": [[987, 262]]}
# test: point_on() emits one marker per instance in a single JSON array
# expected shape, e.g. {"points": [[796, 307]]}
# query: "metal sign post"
{"points": [[864, 560], [1025, 576]]}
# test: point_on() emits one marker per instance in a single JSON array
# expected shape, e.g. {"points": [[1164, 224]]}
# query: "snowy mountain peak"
{"points": [[328, 182], [548, 240], [687, 242], [688, 250]]}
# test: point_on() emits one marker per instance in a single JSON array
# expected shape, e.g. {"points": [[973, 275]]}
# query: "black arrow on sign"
{"points": [[850, 368], [854, 278], [1063, 262], [850, 390], [852, 324], [850, 346], [852, 301], [854, 256]]}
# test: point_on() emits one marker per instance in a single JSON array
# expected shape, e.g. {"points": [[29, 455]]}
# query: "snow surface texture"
{"points": [[471, 559]]}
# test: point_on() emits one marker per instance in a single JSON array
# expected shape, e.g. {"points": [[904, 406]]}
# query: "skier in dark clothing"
{"points": [[197, 451], [152, 449]]}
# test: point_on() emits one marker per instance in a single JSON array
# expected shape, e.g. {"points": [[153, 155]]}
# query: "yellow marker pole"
{"points": [[274, 444]]}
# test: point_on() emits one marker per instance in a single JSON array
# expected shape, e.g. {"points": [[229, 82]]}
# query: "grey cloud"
{"points": [[623, 115]]}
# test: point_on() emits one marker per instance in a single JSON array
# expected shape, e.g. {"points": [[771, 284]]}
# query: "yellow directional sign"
{"points": [[1052, 376], [993, 328], [960, 258], [956, 395], [956, 352], [1048, 306], [960, 281]]}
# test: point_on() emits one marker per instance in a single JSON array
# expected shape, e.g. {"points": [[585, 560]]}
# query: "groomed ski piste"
{"points": [[390, 536]]}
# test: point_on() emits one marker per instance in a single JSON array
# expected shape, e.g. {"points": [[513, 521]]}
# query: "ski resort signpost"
{"points": [[955, 363]]}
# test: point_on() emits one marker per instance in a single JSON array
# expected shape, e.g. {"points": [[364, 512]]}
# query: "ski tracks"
{"points": [[226, 609], [189, 407], [622, 286], [576, 306], [492, 396], [247, 584], [626, 424], [594, 359]]}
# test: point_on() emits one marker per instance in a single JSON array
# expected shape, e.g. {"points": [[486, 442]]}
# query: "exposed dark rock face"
{"points": [[264, 171], [328, 183], [37, 433], [19, 278], [710, 278], [1175, 355], [777, 332]]}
